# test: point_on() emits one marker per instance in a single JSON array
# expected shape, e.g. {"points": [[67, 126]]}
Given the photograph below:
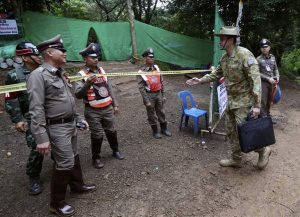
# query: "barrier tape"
{"points": [[22, 86]]}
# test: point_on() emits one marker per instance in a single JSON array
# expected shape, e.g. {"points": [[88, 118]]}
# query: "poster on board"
{"points": [[8, 27]]}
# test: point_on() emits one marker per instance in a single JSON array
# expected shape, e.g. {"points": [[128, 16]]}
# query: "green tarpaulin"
{"points": [[115, 39]]}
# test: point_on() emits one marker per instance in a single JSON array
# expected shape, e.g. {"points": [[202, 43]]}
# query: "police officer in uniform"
{"points": [[243, 84], [53, 124], [152, 90], [17, 106], [100, 104], [269, 75]]}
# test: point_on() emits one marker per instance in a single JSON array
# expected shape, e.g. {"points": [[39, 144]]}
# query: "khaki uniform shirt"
{"points": [[50, 97], [267, 67], [142, 84], [81, 88], [242, 78]]}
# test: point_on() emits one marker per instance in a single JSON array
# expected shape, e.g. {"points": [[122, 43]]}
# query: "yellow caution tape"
{"points": [[22, 86]]}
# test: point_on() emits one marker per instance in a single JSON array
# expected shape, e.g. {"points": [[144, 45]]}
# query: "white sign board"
{"points": [[8, 27], [222, 98]]}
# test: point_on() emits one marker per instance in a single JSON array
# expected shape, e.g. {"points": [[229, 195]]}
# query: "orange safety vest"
{"points": [[98, 95], [153, 81]]}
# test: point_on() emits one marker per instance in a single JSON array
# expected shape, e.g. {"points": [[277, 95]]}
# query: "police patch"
{"points": [[103, 92]]}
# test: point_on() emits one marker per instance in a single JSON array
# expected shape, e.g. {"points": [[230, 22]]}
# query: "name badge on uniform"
{"points": [[268, 68]]}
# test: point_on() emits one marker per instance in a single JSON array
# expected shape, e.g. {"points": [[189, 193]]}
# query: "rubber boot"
{"points": [[34, 187], [230, 163], [164, 130], [114, 145], [96, 149], [76, 183], [156, 134], [263, 158], [59, 183]]}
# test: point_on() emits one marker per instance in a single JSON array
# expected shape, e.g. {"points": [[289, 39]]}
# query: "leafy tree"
{"points": [[111, 10], [277, 20], [144, 9]]}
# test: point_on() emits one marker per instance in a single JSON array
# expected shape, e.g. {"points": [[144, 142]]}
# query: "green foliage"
{"points": [[277, 20], [73, 9], [290, 63]]}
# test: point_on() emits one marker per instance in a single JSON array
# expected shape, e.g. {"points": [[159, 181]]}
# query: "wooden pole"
{"points": [[132, 31]]}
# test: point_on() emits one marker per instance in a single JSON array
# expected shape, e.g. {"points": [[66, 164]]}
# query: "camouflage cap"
{"points": [[228, 30], [149, 52], [92, 50], [56, 43]]}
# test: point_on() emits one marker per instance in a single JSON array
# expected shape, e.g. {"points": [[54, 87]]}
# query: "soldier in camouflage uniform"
{"points": [[269, 75], [243, 84], [17, 105]]}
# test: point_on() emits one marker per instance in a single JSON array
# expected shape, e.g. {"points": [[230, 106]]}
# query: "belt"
{"points": [[59, 121], [153, 92]]}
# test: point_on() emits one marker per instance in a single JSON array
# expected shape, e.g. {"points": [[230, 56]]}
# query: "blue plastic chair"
{"points": [[192, 111]]}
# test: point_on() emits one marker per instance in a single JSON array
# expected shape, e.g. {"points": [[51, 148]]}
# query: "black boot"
{"points": [[114, 145], [76, 183], [59, 183], [96, 148], [164, 130], [156, 134], [34, 187]]}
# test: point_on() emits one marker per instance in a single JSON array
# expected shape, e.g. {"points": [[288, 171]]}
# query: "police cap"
{"points": [[149, 52], [264, 43], [56, 43], [93, 50], [26, 48]]}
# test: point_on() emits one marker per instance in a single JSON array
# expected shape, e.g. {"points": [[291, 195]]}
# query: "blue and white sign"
{"points": [[222, 98], [8, 27]]}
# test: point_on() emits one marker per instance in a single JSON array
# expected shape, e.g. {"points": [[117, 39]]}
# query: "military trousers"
{"points": [[233, 118], [63, 139], [35, 159], [100, 120], [266, 97], [156, 112]]}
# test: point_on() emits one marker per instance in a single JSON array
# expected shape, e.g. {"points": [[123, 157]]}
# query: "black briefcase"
{"points": [[256, 133]]}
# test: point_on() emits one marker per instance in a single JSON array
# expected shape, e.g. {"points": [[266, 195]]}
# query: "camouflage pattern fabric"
{"points": [[242, 78], [243, 84], [17, 106]]}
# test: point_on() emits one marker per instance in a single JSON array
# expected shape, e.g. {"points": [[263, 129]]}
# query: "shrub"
{"points": [[290, 63]]}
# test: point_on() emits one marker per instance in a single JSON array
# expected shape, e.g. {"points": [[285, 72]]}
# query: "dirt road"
{"points": [[177, 176]]}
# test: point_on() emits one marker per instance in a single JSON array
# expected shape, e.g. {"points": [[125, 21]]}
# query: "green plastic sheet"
{"points": [[115, 39]]}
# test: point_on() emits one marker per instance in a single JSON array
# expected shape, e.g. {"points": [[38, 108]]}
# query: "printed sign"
{"points": [[222, 98], [8, 27]]}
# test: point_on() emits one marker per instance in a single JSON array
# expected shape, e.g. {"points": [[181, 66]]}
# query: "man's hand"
{"points": [[21, 126], [43, 148], [272, 81], [255, 112], [91, 80], [276, 79], [194, 81], [116, 110]]}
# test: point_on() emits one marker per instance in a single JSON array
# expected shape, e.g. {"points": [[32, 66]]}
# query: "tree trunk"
{"points": [[132, 31]]}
